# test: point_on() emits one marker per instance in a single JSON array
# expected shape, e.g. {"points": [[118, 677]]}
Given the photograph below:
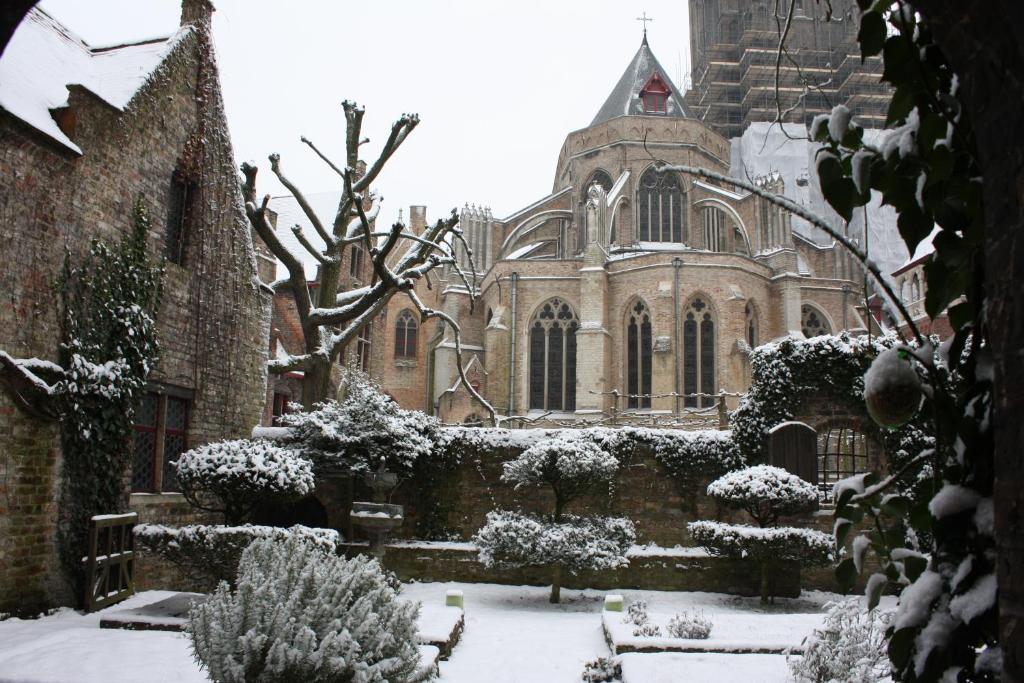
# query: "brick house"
{"points": [[83, 131]]}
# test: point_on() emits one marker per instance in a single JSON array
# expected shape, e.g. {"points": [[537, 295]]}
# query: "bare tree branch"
{"points": [[275, 166], [322, 156]]}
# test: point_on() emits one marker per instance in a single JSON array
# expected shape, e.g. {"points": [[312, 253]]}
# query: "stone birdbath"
{"points": [[378, 519]]}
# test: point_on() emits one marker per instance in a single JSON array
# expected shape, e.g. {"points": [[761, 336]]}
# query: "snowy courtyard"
{"points": [[512, 635]]}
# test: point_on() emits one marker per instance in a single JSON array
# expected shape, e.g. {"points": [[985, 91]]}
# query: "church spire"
{"points": [[644, 89]]}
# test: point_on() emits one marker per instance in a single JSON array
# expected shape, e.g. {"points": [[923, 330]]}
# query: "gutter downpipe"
{"points": [[512, 344], [677, 267], [431, 364]]}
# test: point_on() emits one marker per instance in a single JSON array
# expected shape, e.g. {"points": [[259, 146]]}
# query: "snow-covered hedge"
{"points": [[765, 492], [242, 473], [208, 554], [683, 453], [301, 614], [807, 546], [511, 539], [364, 429], [849, 648]]}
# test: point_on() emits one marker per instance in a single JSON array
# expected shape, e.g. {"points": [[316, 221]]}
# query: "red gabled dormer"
{"points": [[655, 94]]}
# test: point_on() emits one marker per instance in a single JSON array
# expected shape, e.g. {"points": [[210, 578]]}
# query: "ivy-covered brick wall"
{"points": [[214, 324]]}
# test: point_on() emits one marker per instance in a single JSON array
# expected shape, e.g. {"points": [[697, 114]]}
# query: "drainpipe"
{"points": [[677, 267], [512, 344], [431, 363]]}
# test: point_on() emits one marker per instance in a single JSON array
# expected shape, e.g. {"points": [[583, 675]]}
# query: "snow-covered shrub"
{"points": [[511, 539], [240, 474], [765, 545], [602, 670], [301, 614], [362, 430], [765, 492], [690, 626], [647, 630], [208, 554], [570, 469], [636, 613], [849, 648]]}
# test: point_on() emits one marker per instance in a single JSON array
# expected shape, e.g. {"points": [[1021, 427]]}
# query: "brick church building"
{"points": [[625, 292]]}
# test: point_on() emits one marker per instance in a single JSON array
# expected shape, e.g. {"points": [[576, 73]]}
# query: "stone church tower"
{"points": [[626, 292]]}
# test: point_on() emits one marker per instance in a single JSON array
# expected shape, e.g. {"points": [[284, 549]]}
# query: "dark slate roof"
{"points": [[625, 97]]}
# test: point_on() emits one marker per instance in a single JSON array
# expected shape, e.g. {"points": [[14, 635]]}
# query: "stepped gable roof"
{"points": [[625, 99], [44, 57]]}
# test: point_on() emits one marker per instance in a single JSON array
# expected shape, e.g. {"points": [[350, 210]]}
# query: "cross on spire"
{"points": [[645, 19]]}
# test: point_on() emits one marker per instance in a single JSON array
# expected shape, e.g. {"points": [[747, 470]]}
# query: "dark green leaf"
{"points": [[871, 35], [846, 574]]}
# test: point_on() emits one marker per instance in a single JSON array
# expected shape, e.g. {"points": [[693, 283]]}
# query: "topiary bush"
{"points": [[765, 492], [232, 477], [209, 553], [570, 469], [766, 546], [302, 614]]}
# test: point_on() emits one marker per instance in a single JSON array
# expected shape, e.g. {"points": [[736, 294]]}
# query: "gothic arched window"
{"points": [[813, 323], [638, 356], [698, 354], [602, 179], [405, 335], [750, 328], [661, 207], [553, 357]]}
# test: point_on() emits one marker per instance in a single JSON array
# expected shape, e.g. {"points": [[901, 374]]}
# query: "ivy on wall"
{"points": [[108, 349], [785, 374]]}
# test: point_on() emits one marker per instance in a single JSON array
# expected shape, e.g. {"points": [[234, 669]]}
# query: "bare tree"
{"points": [[399, 259]]}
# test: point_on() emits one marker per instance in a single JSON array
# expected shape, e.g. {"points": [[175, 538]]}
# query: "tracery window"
{"points": [[553, 357], [638, 356], [661, 207], [698, 355], [843, 451], [813, 323], [405, 335]]}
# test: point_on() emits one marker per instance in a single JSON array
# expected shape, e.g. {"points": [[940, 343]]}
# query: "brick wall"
{"points": [[213, 324]]}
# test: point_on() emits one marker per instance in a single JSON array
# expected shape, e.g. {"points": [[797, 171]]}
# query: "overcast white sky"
{"points": [[497, 85]]}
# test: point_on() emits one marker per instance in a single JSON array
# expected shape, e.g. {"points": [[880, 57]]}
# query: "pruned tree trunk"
{"points": [[556, 584]]}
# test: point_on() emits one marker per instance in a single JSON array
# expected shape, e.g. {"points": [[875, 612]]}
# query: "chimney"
{"points": [[417, 219], [196, 12]]}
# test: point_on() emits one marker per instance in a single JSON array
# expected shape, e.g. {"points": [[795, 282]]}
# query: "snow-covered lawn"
{"points": [[512, 635]]}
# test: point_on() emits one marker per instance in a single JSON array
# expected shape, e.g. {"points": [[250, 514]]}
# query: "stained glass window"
{"points": [[405, 335], [552, 371], [638, 356], [699, 355], [661, 207]]}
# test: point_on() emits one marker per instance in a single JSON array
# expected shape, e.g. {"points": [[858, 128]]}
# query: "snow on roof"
{"points": [[44, 57], [289, 213], [524, 251], [924, 249]]}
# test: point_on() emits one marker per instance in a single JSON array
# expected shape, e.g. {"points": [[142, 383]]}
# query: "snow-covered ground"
{"points": [[512, 635]]}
